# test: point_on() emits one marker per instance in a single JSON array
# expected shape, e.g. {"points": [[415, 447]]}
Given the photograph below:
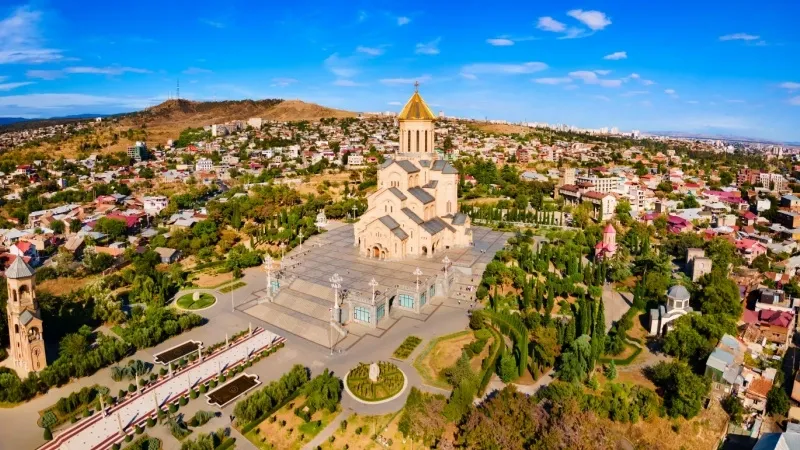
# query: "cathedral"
{"points": [[414, 212], [24, 320]]}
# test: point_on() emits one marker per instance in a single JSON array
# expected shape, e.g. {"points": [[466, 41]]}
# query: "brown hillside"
{"points": [[166, 121], [292, 110]]}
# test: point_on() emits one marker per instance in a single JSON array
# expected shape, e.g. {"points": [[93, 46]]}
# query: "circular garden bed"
{"points": [[391, 382], [188, 302]]}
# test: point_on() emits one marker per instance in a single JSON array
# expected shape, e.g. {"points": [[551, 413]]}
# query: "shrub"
{"points": [[183, 401], [116, 446], [163, 371], [358, 431], [193, 394], [173, 408], [343, 425], [150, 422], [122, 393], [331, 439], [476, 319], [139, 429], [48, 435], [131, 388], [128, 437]]}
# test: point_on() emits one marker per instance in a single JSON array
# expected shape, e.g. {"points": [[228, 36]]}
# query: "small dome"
{"points": [[678, 292]]}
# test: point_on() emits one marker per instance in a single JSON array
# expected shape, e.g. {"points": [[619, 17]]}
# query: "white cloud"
{"points": [[212, 23], [111, 70], [739, 37], [398, 81], [795, 101], [283, 81], [601, 97], [648, 82], [21, 41], [616, 56], [635, 76], [547, 23], [52, 101], [553, 81], [571, 87], [428, 48], [403, 20], [44, 74], [692, 102], [634, 93], [394, 103], [371, 51], [602, 72], [595, 20], [735, 101], [589, 77], [669, 91], [500, 42], [790, 85], [10, 86], [362, 16], [468, 76], [504, 69], [341, 67], [646, 103], [195, 71], [346, 83]]}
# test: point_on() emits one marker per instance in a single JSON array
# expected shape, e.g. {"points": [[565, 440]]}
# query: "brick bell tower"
{"points": [[24, 320]]}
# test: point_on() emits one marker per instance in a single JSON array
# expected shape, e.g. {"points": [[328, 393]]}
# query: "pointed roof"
{"points": [[416, 108], [610, 229], [19, 269]]}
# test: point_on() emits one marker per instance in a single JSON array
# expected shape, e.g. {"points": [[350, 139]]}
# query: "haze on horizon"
{"points": [[710, 67]]}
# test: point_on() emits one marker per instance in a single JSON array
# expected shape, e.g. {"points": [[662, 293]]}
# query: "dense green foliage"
{"points": [[272, 396]]}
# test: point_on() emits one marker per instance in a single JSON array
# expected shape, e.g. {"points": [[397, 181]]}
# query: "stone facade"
{"points": [[414, 212], [25, 325]]}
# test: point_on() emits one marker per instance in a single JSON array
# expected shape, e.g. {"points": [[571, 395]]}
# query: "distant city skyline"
{"points": [[701, 67]]}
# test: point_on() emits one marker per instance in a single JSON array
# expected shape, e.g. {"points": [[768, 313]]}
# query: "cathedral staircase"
{"points": [[302, 308]]}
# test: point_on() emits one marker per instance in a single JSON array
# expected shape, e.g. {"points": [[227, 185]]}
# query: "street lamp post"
{"points": [[301, 240], [283, 248], [446, 262], [336, 284], [268, 265], [373, 284], [418, 273], [355, 209]]}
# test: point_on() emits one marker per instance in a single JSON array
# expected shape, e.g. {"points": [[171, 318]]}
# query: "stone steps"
{"points": [[305, 304], [294, 322]]}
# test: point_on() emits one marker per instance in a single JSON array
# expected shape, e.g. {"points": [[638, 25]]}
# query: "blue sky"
{"points": [[700, 66]]}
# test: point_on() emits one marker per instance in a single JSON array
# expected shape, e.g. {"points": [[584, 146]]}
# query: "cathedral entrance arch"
{"points": [[376, 252], [424, 250]]}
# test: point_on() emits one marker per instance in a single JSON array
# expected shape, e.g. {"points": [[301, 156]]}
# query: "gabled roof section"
{"points": [[431, 184], [411, 215], [436, 225], [386, 163], [438, 165], [449, 170], [19, 269], [459, 219], [424, 163], [394, 227], [421, 195], [398, 193], [408, 166], [26, 317], [416, 109]]}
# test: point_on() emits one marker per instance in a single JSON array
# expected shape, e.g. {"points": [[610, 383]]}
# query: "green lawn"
{"points": [[187, 301], [232, 287]]}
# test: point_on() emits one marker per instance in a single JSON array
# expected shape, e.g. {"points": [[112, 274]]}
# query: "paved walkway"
{"points": [[102, 430]]}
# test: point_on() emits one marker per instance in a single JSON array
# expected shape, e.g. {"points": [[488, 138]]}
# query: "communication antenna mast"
{"points": [[178, 90]]}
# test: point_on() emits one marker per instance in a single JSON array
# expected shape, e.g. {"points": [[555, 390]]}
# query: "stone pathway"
{"points": [[100, 431]]}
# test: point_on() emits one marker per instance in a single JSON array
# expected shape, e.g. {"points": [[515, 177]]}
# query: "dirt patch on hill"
{"points": [[500, 128]]}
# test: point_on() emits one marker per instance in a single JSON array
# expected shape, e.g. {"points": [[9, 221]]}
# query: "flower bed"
{"points": [[391, 381], [408, 346], [189, 303]]}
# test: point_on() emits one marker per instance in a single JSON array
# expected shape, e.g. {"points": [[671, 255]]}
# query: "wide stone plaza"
{"points": [[303, 305]]}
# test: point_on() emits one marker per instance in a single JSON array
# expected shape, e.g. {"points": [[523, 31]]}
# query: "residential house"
{"points": [[26, 250], [750, 249], [168, 255]]}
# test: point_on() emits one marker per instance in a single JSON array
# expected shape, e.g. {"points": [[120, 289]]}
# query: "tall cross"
{"points": [[416, 86]]}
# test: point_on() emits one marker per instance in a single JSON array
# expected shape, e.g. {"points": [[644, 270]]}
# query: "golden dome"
{"points": [[416, 109]]}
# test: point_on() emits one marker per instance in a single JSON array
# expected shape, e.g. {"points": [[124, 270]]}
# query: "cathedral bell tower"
{"points": [[416, 129], [24, 320]]}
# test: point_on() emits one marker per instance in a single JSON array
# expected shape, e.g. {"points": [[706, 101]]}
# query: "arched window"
{"points": [[417, 140], [426, 141], [15, 296], [16, 328], [409, 141]]}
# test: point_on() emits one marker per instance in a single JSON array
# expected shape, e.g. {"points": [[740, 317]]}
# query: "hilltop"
{"points": [[165, 121]]}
